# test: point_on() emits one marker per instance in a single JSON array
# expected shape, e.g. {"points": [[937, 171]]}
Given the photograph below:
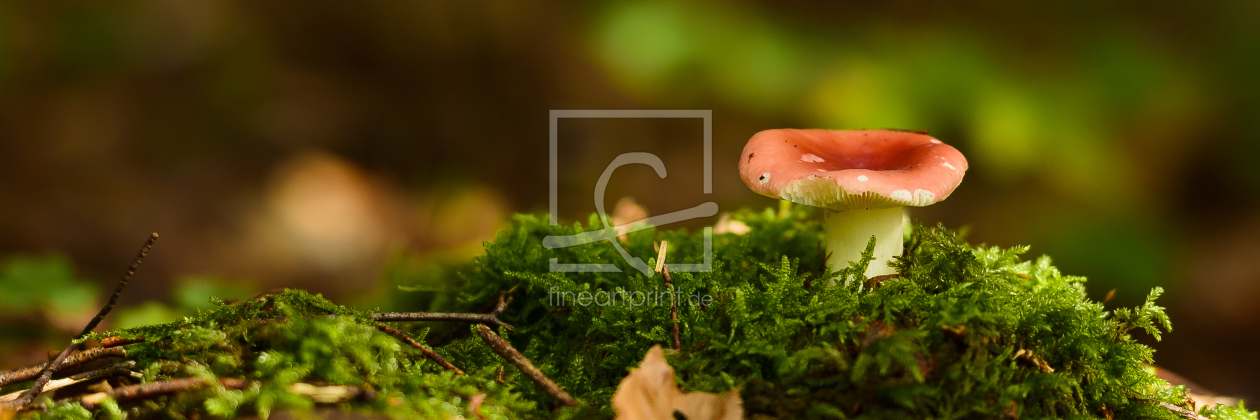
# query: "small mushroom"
{"points": [[862, 178]]}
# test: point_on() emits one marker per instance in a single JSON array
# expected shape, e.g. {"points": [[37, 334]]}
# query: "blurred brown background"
{"points": [[279, 144]]}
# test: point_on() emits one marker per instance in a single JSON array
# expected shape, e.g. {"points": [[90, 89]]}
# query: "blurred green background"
{"points": [[350, 148]]}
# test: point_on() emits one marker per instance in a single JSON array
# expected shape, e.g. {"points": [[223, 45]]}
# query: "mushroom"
{"points": [[861, 178]]}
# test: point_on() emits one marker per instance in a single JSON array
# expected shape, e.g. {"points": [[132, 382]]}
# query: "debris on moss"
{"points": [[961, 331], [275, 342]]}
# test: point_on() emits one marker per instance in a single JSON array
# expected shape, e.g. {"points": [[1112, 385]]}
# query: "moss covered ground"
{"points": [[963, 332]]}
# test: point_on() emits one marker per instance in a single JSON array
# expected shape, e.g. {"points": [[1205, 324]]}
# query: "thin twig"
{"points": [[428, 352], [153, 389], [875, 281], [491, 318], [122, 284], [505, 350], [119, 341], [28, 373], [673, 309], [1185, 413], [459, 326], [51, 367], [111, 371], [662, 268]]}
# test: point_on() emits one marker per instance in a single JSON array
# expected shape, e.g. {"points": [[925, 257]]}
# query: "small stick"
{"points": [[452, 331], [505, 350], [151, 389], [28, 373], [1181, 411], [673, 309], [115, 370], [875, 281], [498, 375], [491, 318], [662, 268], [116, 341], [51, 367], [122, 284], [428, 352]]}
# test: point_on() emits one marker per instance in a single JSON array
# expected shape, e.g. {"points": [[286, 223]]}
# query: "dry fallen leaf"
{"points": [[649, 393], [703, 405], [726, 225], [627, 214]]}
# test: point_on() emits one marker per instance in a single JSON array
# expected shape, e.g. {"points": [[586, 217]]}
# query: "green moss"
{"points": [[297, 337], [965, 332], [938, 342]]}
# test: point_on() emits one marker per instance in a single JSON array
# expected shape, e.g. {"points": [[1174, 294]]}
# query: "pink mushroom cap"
{"points": [[857, 169]]}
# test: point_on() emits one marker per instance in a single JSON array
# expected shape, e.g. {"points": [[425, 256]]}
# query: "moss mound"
{"points": [[963, 332]]}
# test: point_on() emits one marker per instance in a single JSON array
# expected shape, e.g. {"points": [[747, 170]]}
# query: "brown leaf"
{"points": [[625, 215], [726, 225], [707, 406], [649, 393]]}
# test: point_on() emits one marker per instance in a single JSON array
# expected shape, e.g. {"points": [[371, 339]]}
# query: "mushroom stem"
{"points": [[848, 231]]}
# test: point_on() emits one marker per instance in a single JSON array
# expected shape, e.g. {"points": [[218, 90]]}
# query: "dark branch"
{"points": [[28, 373], [505, 350], [428, 352], [51, 367], [122, 284]]}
